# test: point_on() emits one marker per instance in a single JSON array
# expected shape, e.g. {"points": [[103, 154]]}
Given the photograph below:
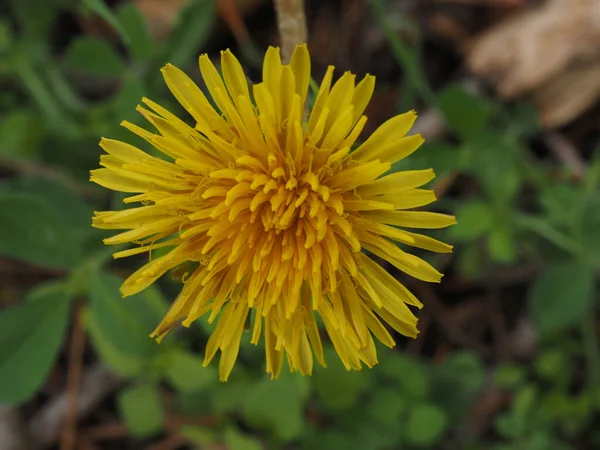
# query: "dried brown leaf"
{"points": [[530, 49], [569, 94]]}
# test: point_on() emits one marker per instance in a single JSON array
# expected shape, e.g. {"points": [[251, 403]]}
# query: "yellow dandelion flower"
{"points": [[275, 211]]}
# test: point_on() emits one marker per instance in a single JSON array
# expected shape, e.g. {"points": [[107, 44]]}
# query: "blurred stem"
{"points": [[537, 177], [590, 186], [408, 96], [291, 22], [230, 12], [39, 92], [406, 56], [592, 349], [547, 231], [63, 90]]}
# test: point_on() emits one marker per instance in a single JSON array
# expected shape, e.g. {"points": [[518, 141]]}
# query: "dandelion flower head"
{"points": [[280, 213]]}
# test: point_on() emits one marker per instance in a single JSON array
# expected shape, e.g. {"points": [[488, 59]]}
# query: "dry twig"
{"points": [[74, 371], [97, 383]]}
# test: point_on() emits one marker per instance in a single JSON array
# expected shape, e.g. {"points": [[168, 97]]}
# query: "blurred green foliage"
{"points": [[52, 114]]}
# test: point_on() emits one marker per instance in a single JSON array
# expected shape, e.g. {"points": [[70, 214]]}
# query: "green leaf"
{"points": [[442, 157], [407, 373], [198, 435], [94, 56], [74, 213], [100, 8], [6, 36], [198, 403], [371, 435], [475, 219], [510, 426], [142, 46], [544, 440], [125, 322], [470, 368], [509, 376], [471, 261], [141, 409], [194, 23], [336, 387], [186, 373], [33, 231], [464, 111], [543, 228], [126, 365], [335, 439], [579, 415], [455, 382], [501, 244], [590, 229], [31, 77], [387, 406], [561, 296], [36, 17], [426, 424], [64, 90], [31, 334], [558, 200], [493, 161], [277, 405], [555, 405], [552, 365], [227, 397], [236, 440], [20, 134], [521, 120], [525, 401], [129, 96]]}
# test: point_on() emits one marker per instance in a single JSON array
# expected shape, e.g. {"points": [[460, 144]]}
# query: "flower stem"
{"points": [[291, 22]]}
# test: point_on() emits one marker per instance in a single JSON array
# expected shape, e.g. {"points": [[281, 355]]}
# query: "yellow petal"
{"points": [[408, 199], [379, 275], [366, 205], [272, 70], [300, 64], [406, 329], [339, 130], [214, 84], [193, 99], [362, 95], [286, 96], [397, 182], [348, 179], [393, 128], [340, 97], [321, 100], [412, 219], [395, 150], [407, 263], [377, 328], [111, 180], [355, 133], [234, 76]]}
